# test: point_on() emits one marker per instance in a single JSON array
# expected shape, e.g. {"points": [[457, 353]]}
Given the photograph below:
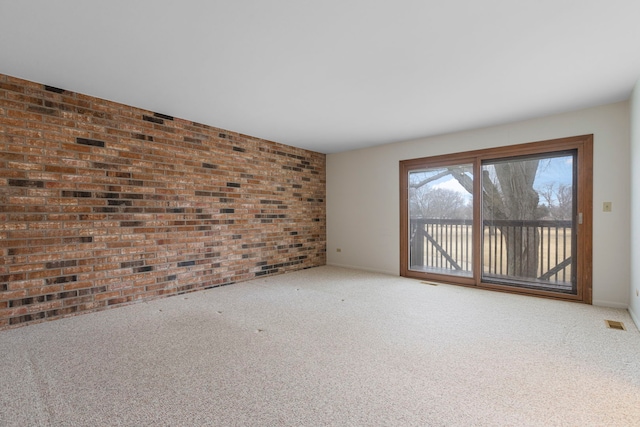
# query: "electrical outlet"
{"points": [[606, 207]]}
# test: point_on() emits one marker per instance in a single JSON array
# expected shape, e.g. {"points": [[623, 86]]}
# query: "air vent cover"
{"points": [[613, 324]]}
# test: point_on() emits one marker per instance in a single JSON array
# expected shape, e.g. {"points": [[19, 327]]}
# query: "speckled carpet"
{"points": [[326, 347]]}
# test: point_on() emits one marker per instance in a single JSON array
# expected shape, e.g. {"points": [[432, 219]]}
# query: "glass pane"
{"points": [[440, 220], [528, 230]]}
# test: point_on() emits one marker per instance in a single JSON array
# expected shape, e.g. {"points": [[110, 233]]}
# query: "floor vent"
{"points": [[612, 324], [429, 283]]}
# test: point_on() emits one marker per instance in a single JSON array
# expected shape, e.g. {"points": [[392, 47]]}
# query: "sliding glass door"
{"points": [[441, 219], [514, 218], [528, 221]]}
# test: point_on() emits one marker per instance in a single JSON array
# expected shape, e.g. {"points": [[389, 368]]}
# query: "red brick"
{"points": [[106, 295]]}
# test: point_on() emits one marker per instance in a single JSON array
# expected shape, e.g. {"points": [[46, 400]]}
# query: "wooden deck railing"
{"points": [[446, 245]]}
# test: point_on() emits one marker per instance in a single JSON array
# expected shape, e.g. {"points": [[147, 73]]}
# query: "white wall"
{"points": [[363, 193], [634, 299]]}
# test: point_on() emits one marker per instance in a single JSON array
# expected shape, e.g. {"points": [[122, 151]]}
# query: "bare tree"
{"points": [[508, 200], [514, 198], [565, 202], [508, 194], [559, 200], [439, 203]]}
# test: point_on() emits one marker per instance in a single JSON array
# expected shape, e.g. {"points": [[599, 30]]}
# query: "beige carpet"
{"points": [[326, 347]]}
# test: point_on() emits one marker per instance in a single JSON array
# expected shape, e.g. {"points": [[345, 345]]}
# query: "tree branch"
{"points": [[430, 179]]}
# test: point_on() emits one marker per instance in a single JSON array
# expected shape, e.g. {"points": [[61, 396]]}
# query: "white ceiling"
{"points": [[331, 75]]}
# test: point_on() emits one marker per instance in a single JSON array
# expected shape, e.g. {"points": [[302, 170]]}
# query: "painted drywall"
{"points": [[634, 298], [363, 193]]}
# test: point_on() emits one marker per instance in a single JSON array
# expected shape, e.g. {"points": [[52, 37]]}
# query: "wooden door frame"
{"points": [[583, 144]]}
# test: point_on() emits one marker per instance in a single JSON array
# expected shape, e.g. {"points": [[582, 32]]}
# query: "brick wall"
{"points": [[102, 204]]}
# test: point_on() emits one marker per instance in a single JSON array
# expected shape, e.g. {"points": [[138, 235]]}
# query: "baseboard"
{"points": [[635, 318], [610, 304], [371, 270]]}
